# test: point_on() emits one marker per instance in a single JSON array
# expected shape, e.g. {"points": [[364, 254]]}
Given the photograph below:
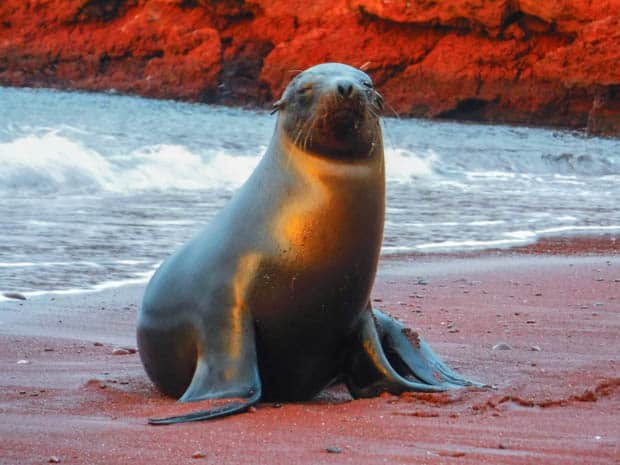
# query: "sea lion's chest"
{"points": [[330, 212], [325, 238]]}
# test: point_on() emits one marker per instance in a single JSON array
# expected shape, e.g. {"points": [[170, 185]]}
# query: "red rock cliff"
{"points": [[552, 62]]}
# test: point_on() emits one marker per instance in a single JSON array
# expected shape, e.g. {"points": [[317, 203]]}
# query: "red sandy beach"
{"points": [[541, 323]]}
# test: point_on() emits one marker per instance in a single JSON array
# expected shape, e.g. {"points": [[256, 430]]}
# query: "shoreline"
{"points": [[541, 324], [600, 244], [585, 245]]}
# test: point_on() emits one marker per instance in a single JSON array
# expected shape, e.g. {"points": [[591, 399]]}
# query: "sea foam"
{"points": [[54, 163]]}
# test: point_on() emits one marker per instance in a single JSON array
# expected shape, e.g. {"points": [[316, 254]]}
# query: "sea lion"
{"points": [[272, 299]]}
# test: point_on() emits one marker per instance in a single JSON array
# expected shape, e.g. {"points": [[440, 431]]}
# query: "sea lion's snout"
{"points": [[343, 106], [345, 88], [345, 94]]}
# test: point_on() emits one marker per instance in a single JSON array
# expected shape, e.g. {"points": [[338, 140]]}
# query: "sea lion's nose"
{"points": [[345, 88]]}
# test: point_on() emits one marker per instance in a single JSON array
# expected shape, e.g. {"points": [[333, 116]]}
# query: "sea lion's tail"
{"points": [[230, 408]]}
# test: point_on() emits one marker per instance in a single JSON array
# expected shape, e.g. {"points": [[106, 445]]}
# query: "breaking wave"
{"points": [[55, 163]]}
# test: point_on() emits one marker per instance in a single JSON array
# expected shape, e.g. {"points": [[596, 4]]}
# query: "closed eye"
{"points": [[305, 89]]}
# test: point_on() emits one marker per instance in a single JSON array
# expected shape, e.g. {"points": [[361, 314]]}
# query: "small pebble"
{"points": [[54, 459], [333, 450], [503, 445], [277, 405], [98, 344], [535, 349], [14, 295], [120, 351], [252, 409], [501, 346], [538, 294], [23, 362], [531, 322], [377, 300], [451, 454], [48, 349], [198, 455]]}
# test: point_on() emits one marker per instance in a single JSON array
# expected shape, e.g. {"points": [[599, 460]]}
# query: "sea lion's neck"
{"points": [[331, 208], [368, 167]]}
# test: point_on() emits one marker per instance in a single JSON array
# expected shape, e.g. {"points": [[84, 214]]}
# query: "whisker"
{"points": [[309, 131], [298, 132], [392, 110], [373, 111], [388, 134]]}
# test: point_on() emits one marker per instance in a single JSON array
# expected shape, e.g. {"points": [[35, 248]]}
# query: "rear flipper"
{"points": [[392, 358], [411, 356]]}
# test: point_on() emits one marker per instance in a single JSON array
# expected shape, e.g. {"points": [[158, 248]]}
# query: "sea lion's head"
{"points": [[332, 110]]}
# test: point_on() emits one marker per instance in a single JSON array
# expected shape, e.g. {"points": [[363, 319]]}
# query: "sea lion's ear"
{"points": [[277, 106]]}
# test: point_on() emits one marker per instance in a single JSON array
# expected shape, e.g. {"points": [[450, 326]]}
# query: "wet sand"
{"points": [[541, 323]]}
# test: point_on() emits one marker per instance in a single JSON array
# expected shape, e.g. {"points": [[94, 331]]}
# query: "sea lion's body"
{"points": [[271, 300]]}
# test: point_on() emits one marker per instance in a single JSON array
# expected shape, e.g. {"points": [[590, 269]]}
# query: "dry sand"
{"points": [[553, 308]]}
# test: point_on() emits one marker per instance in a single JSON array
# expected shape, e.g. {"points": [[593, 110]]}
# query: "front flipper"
{"points": [[246, 400], [407, 368], [226, 367]]}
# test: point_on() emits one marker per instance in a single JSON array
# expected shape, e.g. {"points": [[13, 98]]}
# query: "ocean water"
{"points": [[97, 189]]}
